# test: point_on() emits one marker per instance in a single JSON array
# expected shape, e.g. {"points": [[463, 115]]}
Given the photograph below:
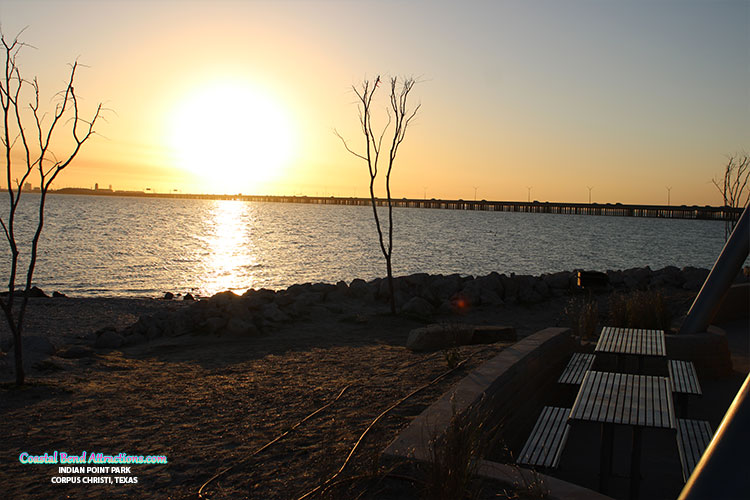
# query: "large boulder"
{"points": [[38, 345], [510, 287], [445, 287], [558, 281], [238, 327], [108, 339], [419, 307], [694, 277], [439, 336], [637, 278], [528, 290]]}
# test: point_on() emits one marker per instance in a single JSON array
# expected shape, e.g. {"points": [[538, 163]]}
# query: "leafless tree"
{"points": [[399, 115], [733, 188], [28, 135]]}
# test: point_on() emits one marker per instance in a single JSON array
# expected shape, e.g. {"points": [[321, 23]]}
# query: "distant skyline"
{"points": [[630, 102]]}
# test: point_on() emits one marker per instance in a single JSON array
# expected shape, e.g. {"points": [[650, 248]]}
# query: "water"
{"points": [[113, 246]]}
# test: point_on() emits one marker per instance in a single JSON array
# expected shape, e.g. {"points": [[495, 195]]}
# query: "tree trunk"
{"points": [[18, 355], [390, 284]]}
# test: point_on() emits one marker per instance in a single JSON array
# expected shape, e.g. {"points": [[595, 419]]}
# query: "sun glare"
{"points": [[232, 136]]}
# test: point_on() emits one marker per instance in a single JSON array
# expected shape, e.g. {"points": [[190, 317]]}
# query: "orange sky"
{"points": [[244, 96]]}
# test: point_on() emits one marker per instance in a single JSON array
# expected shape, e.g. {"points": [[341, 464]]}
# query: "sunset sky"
{"points": [[626, 97]]}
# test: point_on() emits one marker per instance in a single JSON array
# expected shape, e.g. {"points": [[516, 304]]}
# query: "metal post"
{"points": [[725, 269]]}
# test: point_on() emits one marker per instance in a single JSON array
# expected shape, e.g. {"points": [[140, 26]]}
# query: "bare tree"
{"points": [[399, 116], [28, 135], [733, 188]]}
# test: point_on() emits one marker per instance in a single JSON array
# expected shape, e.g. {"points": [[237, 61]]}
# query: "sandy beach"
{"points": [[209, 403]]}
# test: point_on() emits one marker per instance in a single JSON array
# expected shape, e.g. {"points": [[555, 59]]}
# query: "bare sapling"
{"points": [[29, 136], [399, 116], [734, 189]]}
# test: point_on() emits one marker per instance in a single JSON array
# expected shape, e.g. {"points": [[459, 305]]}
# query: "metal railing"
{"points": [[724, 468]]}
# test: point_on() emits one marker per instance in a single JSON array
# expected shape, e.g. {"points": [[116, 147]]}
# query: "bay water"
{"points": [[142, 247]]}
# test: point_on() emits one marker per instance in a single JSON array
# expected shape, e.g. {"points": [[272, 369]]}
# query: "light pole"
{"points": [[669, 195], [590, 188], [475, 193], [528, 188]]}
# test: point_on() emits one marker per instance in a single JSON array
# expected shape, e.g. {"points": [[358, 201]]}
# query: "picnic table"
{"points": [[610, 399], [632, 342]]}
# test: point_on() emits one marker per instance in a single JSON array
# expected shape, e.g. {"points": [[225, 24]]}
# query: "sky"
{"points": [[625, 101]]}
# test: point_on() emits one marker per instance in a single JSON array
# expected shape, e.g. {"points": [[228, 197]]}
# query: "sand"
{"points": [[210, 403]]}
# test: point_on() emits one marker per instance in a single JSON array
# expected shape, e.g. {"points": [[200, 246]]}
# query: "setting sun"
{"points": [[232, 135]]}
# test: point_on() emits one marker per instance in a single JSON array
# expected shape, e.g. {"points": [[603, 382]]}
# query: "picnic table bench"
{"points": [[579, 364], [545, 443], [684, 382], [693, 436]]}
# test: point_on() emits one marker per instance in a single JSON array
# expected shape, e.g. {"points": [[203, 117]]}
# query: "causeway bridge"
{"points": [[604, 209]]}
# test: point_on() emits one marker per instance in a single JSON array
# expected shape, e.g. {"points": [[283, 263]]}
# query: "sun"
{"points": [[233, 136]]}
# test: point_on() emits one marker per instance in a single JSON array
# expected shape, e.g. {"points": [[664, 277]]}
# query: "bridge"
{"points": [[605, 209]]}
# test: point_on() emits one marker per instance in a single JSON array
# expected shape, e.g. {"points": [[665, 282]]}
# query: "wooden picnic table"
{"points": [[633, 342], [610, 399]]}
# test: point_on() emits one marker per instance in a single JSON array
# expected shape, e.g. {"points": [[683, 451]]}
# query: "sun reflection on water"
{"points": [[231, 255]]}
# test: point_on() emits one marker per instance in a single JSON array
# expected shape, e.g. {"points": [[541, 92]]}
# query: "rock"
{"points": [[559, 281], [490, 297], [168, 296], [358, 288], [491, 334], [188, 296], [669, 276], [510, 287], [446, 287], [76, 352], [637, 278], [436, 337], [37, 292], [616, 278], [240, 328], [527, 292], [133, 340], [271, 312], [417, 306], [58, 295], [491, 282], [38, 345], [214, 324], [472, 293], [109, 339], [694, 277], [224, 299]]}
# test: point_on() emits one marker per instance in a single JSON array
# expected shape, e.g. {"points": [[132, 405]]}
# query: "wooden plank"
{"points": [[531, 443], [576, 368], [683, 377], [693, 436], [544, 445], [580, 403]]}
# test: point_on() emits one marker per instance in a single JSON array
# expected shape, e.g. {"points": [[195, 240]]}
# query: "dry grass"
{"points": [[451, 475], [639, 309], [583, 316]]}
